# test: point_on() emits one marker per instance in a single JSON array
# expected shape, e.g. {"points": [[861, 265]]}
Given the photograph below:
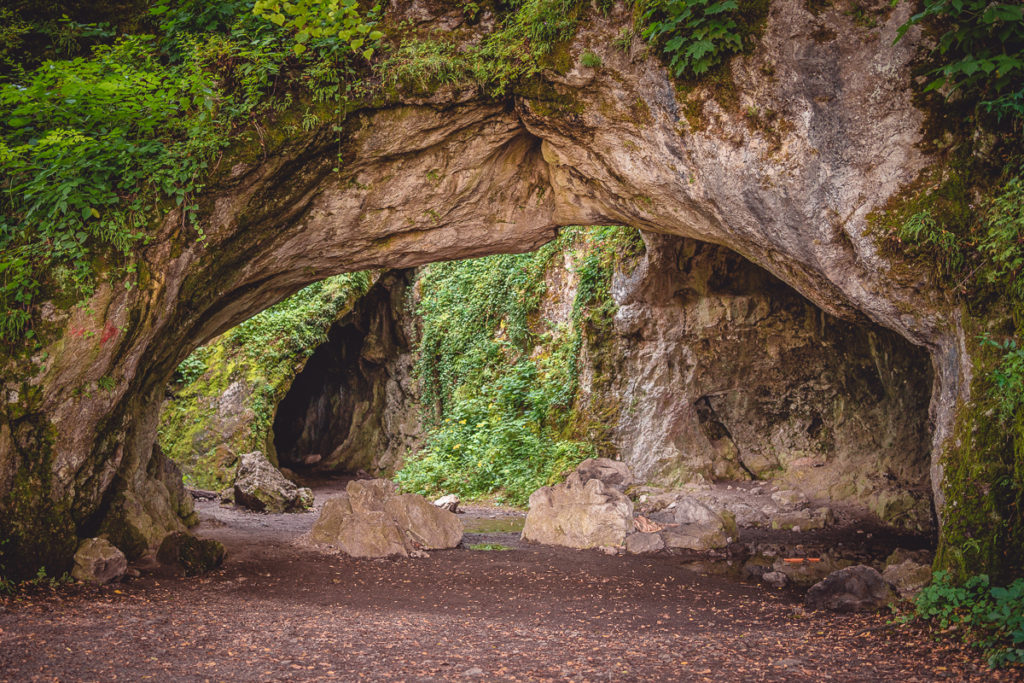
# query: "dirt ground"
{"points": [[278, 611]]}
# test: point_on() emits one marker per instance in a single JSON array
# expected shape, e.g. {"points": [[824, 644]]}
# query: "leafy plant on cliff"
{"points": [[498, 381], [96, 150], [88, 149], [979, 52], [695, 35]]}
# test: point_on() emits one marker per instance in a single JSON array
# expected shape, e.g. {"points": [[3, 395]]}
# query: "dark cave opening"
{"points": [[334, 417]]}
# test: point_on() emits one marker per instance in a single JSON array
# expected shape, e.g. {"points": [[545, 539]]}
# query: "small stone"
{"points": [[642, 543], [908, 577], [449, 502], [775, 579], [192, 555], [475, 671], [613, 473], [788, 498]]}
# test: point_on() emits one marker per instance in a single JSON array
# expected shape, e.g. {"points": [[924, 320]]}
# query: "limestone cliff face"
{"points": [[457, 176], [721, 373]]}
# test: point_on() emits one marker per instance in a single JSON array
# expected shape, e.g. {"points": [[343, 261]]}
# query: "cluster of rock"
{"points": [[590, 509], [261, 487], [98, 561], [372, 520]]}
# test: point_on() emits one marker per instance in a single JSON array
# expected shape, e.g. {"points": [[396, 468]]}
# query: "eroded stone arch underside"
{"points": [[458, 176]]}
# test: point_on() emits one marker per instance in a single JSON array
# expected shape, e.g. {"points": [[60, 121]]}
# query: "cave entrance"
{"points": [[344, 411]]}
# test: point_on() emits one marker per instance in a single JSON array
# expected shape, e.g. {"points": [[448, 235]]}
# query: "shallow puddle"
{"points": [[493, 526]]}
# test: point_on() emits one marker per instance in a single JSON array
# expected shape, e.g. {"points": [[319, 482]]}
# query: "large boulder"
{"points": [[181, 551], [852, 589], [98, 561], [578, 514], [613, 473], [372, 520], [642, 543], [908, 577], [261, 487], [427, 526]]}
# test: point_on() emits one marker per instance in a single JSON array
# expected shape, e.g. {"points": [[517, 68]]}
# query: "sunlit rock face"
{"points": [[458, 176]]}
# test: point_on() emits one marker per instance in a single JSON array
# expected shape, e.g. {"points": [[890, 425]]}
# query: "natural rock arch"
{"points": [[455, 176]]}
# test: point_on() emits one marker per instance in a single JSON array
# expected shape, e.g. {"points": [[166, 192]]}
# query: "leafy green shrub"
{"points": [[590, 60], [87, 146], [695, 35], [1007, 379], [338, 21], [980, 51], [990, 618]]}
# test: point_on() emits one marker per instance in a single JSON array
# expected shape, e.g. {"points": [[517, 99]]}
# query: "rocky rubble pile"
{"points": [[591, 510]]}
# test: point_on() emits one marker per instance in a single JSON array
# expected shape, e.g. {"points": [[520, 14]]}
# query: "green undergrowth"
{"points": [[489, 546], [988, 617], [498, 380], [96, 150], [258, 360]]}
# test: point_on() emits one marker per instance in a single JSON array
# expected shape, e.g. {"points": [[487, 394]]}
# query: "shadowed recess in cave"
{"points": [[336, 413]]}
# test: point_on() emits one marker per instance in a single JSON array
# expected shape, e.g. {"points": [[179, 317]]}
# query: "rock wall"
{"points": [[724, 373], [456, 175]]}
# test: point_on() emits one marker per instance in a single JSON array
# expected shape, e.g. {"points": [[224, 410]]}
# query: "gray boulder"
{"points": [[426, 526], [908, 577], [372, 520], [687, 510], [98, 561], [578, 514], [642, 543], [719, 532], [852, 589], [775, 579], [261, 487], [804, 520], [613, 473], [184, 552]]}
